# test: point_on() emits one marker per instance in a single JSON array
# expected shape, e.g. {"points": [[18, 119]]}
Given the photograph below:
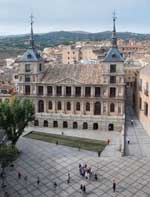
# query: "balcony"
{"points": [[146, 92]]}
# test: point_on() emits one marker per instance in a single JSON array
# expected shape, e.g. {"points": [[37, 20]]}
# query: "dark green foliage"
{"points": [[14, 117], [15, 45], [83, 143], [8, 154]]}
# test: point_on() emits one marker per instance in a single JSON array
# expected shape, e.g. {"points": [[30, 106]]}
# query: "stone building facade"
{"points": [[143, 97], [75, 96]]}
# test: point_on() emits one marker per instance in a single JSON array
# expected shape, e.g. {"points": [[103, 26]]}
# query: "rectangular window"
{"points": [[97, 91], [27, 68], [146, 109], [27, 90], [140, 84], [40, 90], [112, 68], [140, 103], [78, 91], [112, 79], [112, 92], [146, 91], [59, 91], [68, 91], [49, 90], [27, 78], [40, 67], [88, 91]]}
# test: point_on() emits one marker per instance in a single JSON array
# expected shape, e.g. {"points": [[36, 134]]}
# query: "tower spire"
{"points": [[114, 36], [32, 34]]}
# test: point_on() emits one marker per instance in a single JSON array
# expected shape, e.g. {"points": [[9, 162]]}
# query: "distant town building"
{"points": [[143, 97]]}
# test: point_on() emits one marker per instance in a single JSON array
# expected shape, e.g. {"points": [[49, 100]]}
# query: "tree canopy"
{"points": [[14, 117]]}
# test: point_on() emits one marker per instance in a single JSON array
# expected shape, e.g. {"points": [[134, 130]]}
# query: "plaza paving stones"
{"points": [[53, 162]]}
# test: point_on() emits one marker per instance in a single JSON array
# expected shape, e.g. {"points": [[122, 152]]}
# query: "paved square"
{"points": [[53, 162]]}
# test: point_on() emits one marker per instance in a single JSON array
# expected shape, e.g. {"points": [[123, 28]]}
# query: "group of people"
{"points": [[86, 171]]}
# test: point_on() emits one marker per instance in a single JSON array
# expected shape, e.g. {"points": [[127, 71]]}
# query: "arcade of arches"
{"points": [[95, 126]]}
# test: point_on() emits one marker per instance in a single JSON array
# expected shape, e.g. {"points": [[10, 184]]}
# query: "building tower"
{"points": [[31, 68], [113, 74]]}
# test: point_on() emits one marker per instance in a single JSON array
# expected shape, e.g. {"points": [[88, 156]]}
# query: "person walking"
{"points": [[128, 140], [114, 186], [68, 180], [81, 187], [19, 175], [38, 180], [84, 188], [55, 185]]}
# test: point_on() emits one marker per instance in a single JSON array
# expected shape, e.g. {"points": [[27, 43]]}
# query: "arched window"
{"points": [[111, 127], [97, 108], [68, 106], [95, 126], [55, 124], [36, 123], [59, 105], [41, 106], [50, 105], [85, 125], [78, 106], [112, 107], [87, 106], [75, 125], [65, 124], [45, 123]]}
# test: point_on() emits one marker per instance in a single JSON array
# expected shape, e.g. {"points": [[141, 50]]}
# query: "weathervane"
{"points": [[32, 35]]}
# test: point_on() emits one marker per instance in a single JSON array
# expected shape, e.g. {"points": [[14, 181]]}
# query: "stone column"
{"points": [[54, 90], [36, 106], [92, 108], [92, 91], [72, 107], [45, 106], [45, 90], [64, 107], [63, 90], [82, 91], [72, 91], [82, 108]]}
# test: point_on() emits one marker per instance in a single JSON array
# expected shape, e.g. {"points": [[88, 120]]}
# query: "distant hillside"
{"points": [[14, 45]]}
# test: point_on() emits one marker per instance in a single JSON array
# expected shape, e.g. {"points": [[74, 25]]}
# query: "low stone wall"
{"points": [[102, 121]]}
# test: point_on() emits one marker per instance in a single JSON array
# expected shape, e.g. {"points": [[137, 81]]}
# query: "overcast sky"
{"points": [[74, 15]]}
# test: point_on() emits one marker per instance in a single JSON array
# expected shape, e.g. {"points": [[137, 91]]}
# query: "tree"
{"points": [[14, 117], [8, 154]]}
